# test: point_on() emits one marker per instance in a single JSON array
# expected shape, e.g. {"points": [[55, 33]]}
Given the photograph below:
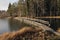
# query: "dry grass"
{"points": [[12, 35], [28, 33]]}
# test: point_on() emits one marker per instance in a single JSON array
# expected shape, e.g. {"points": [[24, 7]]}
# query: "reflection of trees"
{"points": [[16, 24], [54, 23]]}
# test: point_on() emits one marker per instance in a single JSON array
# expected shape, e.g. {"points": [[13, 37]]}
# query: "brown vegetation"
{"points": [[14, 35], [58, 30], [28, 33]]}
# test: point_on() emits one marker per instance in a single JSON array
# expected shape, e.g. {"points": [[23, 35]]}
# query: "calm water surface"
{"points": [[4, 25], [8, 25], [54, 22]]}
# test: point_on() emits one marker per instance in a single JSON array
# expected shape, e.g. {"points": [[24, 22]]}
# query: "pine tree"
{"points": [[9, 9]]}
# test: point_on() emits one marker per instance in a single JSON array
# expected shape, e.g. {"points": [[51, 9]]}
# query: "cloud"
{"points": [[4, 4]]}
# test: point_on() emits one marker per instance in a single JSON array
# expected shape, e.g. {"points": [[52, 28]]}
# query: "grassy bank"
{"points": [[29, 33]]}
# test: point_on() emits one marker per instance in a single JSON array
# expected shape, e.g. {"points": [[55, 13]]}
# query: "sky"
{"points": [[4, 4]]}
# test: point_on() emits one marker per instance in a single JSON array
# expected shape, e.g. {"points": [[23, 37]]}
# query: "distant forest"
{"points": [[35, 8]]}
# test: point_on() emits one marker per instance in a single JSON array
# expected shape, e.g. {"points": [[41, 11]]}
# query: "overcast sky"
{"points": [[4, 4]]}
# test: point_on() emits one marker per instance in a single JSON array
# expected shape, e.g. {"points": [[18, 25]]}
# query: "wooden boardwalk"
{"points": [[39, 25], [49, 17]]}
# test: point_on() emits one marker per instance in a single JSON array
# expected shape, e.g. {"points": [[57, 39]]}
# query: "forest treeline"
{"points": [[34, 8]]}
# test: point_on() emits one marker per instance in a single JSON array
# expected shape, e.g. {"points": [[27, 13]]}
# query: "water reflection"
{"points": [[4, 25], [7, 25], [14, 24], [54, 23]]}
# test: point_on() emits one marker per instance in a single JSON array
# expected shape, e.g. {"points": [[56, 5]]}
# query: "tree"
{"points": [[12, 9], [21, 7], [9, 9]]}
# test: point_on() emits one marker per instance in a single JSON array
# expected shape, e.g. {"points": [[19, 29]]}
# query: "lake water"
{"points": [[54, 22], [8, 25], [4, 25]]}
